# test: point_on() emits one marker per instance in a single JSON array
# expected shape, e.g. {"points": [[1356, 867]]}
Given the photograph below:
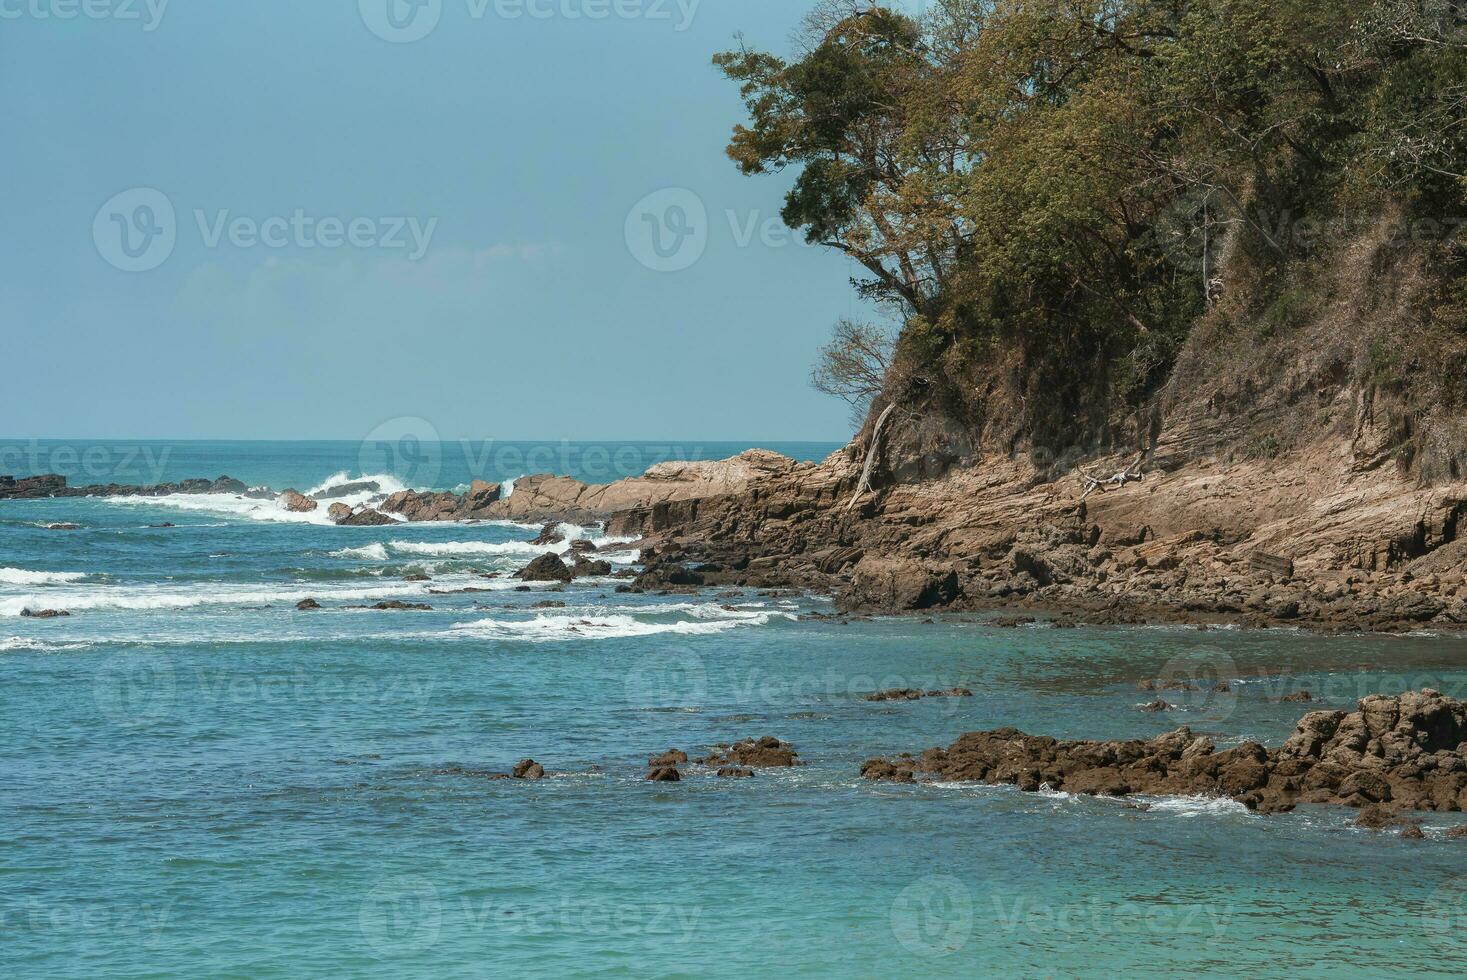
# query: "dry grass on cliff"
{"points": [[1335, 349]]}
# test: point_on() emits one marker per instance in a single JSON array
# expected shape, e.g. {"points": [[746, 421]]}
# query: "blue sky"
{"points": [[287, 219]]}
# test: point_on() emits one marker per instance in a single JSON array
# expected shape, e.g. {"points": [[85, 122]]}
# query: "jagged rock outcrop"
{"points": [[345, 516], [473, 505], [296, 503], [1405, 752]]}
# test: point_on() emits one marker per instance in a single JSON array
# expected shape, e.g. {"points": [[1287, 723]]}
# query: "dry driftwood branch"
{"points": [[864, 486], [1105, 484]]}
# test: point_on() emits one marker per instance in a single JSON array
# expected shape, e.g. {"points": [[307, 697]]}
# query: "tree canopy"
{"points": [[1050, 193]]}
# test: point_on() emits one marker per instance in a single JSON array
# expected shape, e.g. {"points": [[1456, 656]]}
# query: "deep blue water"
{"points": [[199, 780]]}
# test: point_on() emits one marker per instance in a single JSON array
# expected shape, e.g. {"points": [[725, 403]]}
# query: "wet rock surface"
{"points": [[296, 503], [762, 753], [546, 568], [1406, 752]]}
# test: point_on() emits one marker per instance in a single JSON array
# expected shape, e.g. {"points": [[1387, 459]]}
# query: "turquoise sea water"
{"points": [[199, 780]]}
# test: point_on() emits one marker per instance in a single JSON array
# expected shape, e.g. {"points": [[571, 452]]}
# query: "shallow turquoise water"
{"points": [[200, 780]]}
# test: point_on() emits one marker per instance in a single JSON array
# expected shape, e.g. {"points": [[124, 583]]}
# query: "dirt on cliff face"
{"points": [[1407, 752]]}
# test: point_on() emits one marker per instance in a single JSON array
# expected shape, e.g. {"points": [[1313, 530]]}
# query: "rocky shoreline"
{"points": [[1396, 753], [1318, 542]]}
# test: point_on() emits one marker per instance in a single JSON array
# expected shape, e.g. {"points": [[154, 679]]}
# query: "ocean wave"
{"points": [[248, 508], [172, 597], [23, 643], [20, 576], [489, 549], [543, 629], [367, 552]]}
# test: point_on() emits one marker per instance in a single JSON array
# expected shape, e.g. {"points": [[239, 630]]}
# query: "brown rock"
{"points": [[296, 503], [546, 568], [664, 774], [1395, 753], [764, 753], [527, 769]]}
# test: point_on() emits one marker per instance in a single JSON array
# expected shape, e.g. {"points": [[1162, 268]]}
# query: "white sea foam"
{"points": [[367, 552], [20, 576], [506, 488], [19, 643], [1195, 806], [178, 597], [249, 508], [461, 549], [601, 627]]}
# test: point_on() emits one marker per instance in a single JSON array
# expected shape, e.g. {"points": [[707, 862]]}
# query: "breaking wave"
{"points": [[19, 576]]}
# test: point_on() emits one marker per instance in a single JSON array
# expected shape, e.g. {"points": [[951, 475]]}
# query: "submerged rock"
{"points": [[672, 757], [44, 613], [528, 769], [307, 604], [912, 694]]}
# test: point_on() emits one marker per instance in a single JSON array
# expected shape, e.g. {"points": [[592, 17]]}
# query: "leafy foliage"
{"points": [[1051, 193]]}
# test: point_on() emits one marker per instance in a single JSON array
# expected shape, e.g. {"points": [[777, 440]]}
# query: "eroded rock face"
{"points": [[1403, 752], [899, 585]]}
